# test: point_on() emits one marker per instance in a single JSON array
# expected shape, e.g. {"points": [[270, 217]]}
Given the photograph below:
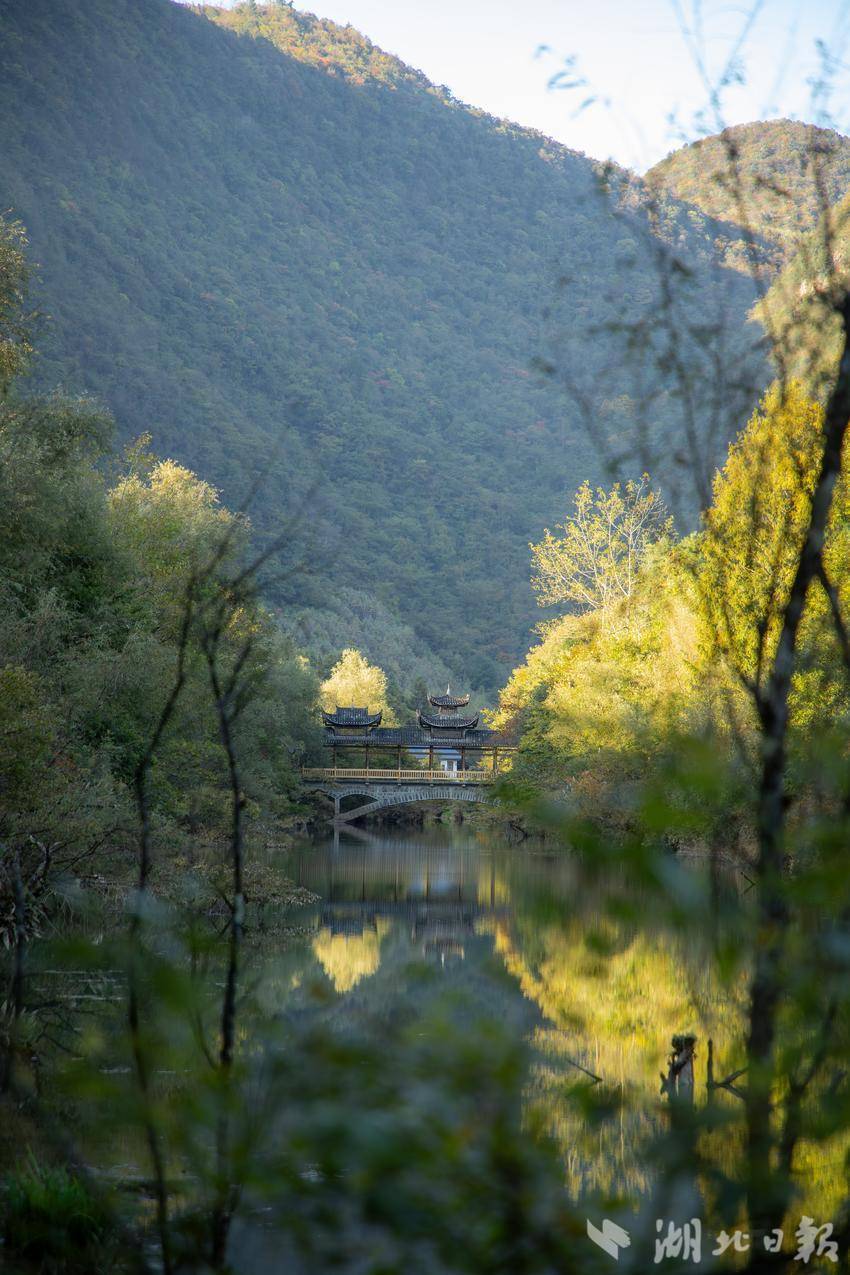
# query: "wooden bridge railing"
{"points": [[341, 774]]}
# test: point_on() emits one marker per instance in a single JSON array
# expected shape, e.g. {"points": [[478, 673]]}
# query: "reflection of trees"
{"points": [[613, 995], [493, 889], [610, 995], [348, 958], [619, 993]]}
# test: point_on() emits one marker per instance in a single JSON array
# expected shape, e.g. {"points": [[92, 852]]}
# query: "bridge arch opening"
{"points": [[361, 800], [347, 802]]}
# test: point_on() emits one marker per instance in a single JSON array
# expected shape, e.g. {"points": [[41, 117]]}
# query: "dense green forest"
{"points": [[319, 279], [122, 579], [770, 179]]}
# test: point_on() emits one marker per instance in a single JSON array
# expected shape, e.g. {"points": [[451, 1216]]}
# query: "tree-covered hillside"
{"points": [[306, 270], [769, 178], [322, 43], [799, 310]]}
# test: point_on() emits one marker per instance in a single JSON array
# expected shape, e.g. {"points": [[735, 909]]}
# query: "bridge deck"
{"points": [[339, 774]]}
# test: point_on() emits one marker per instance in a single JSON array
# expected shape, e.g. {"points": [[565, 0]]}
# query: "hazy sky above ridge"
{"points": [[634, 63]]}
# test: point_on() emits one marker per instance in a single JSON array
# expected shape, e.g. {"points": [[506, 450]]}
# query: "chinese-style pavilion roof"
{"points": [[351, 717], [448, 700], [448, 721], [415, 737]]}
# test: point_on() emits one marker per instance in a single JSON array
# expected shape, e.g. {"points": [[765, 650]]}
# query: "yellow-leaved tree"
{"points": [[354, 682], [594, 562], [753, 536]]}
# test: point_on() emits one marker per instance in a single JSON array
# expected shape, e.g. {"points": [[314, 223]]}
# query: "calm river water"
{"points": [[583, 966], [584, 969], [445, 943]]}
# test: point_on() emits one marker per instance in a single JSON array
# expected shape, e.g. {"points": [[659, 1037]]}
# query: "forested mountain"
{"points": [[770, 177], [313, 276], [799, 308], [322, 43]]}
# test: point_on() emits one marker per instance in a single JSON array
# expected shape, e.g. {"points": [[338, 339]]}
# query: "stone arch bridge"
{"points": [[397, 788]]}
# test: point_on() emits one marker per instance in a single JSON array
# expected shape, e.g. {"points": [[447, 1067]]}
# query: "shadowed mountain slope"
{"points": [[308, 271]]}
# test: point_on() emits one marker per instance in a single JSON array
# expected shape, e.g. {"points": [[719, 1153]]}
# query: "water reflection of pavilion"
{"points": [[438, 894]]}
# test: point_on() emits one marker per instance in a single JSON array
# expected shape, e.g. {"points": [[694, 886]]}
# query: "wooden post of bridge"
{"points": [[495, 761], [430, 760], [398, 766], [367, 759]]}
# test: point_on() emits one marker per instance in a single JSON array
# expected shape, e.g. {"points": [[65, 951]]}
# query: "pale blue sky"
{"points": [[631, 53]]}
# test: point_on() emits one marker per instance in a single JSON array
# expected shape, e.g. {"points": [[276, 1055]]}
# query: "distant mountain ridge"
{"points": [[304, 267], [770, 176], [322, 43]]}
